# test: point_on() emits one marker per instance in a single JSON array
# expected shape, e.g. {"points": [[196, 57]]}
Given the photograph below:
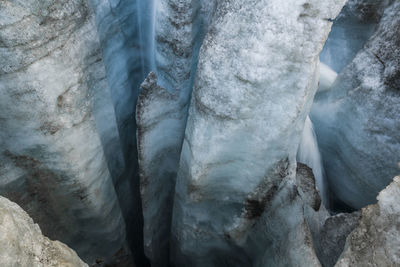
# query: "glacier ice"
{"points": [[124, 31], [350, 31], [218, 94], [331, 239], [160, 128], [161, 115], [356, 121], [52, 162], [281, 237], [257, 73]]}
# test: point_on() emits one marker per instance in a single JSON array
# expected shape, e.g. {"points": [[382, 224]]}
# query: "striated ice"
{"points": [[52, 161], [257, 75], [357, 120], [350, 31], [162, 113]]}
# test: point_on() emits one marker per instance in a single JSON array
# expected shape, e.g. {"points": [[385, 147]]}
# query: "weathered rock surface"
{"points": [[328, 232], [22, 243], [282, 237], [307, 186], [51, 157], [332, 237], [357, 122], [257, 75], [376, 240]]}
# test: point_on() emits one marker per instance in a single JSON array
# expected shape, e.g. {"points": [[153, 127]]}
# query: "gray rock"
{"points": [[351, 30], [376, 240], [159, 134], [333, 236], [306, 186], [22, 243]]}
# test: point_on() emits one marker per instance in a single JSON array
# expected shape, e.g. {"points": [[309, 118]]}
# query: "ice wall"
{"points": [[357, 122], [350, 31], [256, 78], [161, 115], [125, 31], [52, 162]]}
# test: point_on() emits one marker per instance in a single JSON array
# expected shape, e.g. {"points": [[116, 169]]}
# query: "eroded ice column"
{"points": [[125, 32], [161, 115], [256, 78], [357, 121], [51, 158]]}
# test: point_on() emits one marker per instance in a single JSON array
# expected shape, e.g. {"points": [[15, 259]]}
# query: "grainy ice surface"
{"points": [[52, 162], [357, 120], [257, 73]]}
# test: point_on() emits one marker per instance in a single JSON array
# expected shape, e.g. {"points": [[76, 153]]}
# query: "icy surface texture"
{"points": [[306, 183], [332, 237], [126, 64], [256, 78], [160, 122], [22, 243], [51, 158], [350, 31], [296, 229], [376, 240], [125, 32], [281, 236], [357, 122], [162, 112]]}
